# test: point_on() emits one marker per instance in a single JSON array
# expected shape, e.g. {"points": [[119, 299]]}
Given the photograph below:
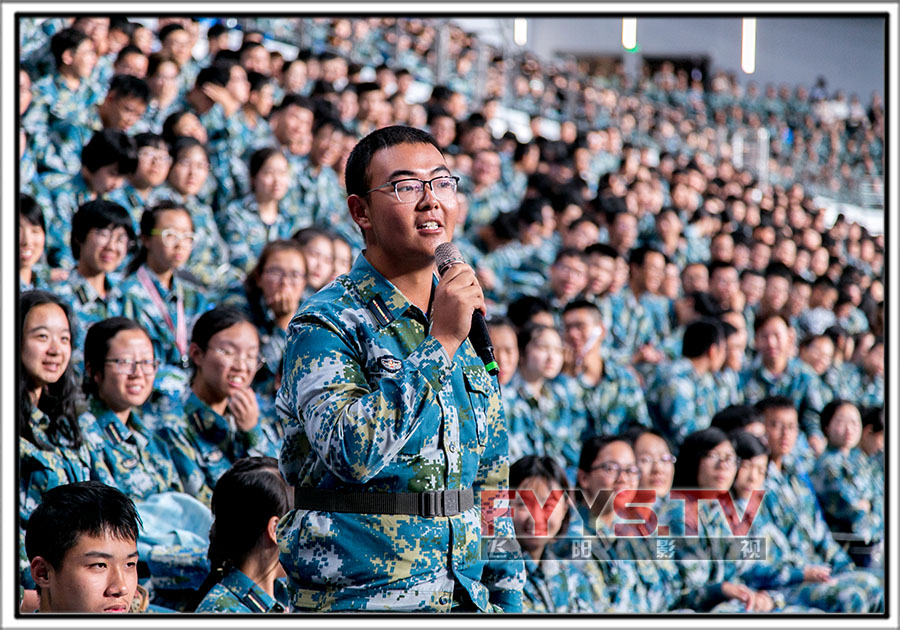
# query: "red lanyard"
{"points": [[181, 330]]}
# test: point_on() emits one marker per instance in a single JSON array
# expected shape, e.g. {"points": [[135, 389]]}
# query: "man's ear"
{"points": [[40, 572], [271, 529], [194, 352], [67, 57], [359, 212]]}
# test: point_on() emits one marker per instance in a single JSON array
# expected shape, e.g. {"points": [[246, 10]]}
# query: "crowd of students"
{"points": [[661, 318]]}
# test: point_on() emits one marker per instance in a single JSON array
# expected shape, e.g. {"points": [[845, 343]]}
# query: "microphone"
{"points": [[445, 256]]}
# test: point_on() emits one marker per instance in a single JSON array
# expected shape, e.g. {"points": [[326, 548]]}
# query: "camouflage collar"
{"points": [[371, 285]]}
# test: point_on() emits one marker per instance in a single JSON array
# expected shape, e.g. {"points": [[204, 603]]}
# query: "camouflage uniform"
{"points": [[87, 305], [615, 403], [841, 484], [237, 593], [137, 458], [246, 234], [60, 197], [550, 424], [557, 586], [680, 400], [54, 102], [204, 445], [129, 198], [371, 403]]}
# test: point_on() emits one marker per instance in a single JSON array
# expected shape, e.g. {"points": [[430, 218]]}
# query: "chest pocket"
{"points": [[480, 390]]}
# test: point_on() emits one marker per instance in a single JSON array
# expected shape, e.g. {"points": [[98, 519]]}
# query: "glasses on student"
{"points": [[614, 470], [278, 274], [729, 460], [171, 238], [664, 460], [160, 157], [118, 237], [254, 361], [128, 366], [411, 189]]}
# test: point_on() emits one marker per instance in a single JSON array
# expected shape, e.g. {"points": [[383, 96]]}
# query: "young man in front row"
{"points": [[81, 542]]}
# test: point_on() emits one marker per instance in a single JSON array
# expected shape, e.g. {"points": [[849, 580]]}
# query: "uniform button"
{"points": [[452, 447], [444, 600]]}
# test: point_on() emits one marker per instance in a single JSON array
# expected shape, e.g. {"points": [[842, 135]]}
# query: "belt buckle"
{"points": [[428, 504], [451, 502]]}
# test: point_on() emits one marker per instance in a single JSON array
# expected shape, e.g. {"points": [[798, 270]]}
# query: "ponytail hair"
{"points": [[250, 493]]}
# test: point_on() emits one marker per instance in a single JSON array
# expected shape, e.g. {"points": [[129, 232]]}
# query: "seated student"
{"points": [[141, 188], [741, 418], [791, 500], [654, 457], [553, 585], [248, 224], [871, 376], [612, 395], [318, 249], [33, 274], [872, 442], [123, 105], [218, 414], [343, 256], [101, 237], [82, 548], [52, 448], [270, 296], [798, 578], [106, 160], [546, 415], [707, 460], [681, 397], [119, 370], [208, 261], [157, 297], [243, 549], [853, 508]]}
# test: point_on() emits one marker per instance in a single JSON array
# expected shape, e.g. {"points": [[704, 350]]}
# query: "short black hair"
{"points": [[127, 86], [715, 265], [525, 307], [66, 39], [356, 177], [31, 211], [736, 417], [150, 139], [97, 214], [746, 445], [168, 29], [765, 316], [130, 49], [107, 147], [216, 30], [602, 249], [73, 510], [296, 100], [594, 445], [700, 335], [827, 413], [873, 417], [576, 304], [775, 402], [215, 74], [779, 269], [638, 255], [258, 80]]}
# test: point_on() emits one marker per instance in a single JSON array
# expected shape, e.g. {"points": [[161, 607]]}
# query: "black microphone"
{"points": [[445, 256]]}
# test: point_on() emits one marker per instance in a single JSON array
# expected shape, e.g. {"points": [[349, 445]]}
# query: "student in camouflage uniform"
{"points": [[682, 396], [546, 415], [245, 575], [800, 579], [120, 368], [384, 404], [792, 505], [553, 585], [219, 413], [612, 396], [100, 525], [33, 274], [141, 188], [853, 508], [167, 236], [101, 237]]}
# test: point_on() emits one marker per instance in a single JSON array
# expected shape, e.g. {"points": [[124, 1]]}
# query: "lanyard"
{"points": [[181, 330]]}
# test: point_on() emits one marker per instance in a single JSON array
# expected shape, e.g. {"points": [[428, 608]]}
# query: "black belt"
{"points": [[431, 503]]}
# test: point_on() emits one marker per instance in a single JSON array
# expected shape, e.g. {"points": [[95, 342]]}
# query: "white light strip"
{"points": [[520, 31], [629, 33], [748, 45]]}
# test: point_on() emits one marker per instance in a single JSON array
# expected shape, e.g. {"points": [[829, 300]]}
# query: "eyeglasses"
{"points": [[158, 157], [118, 237], [253, 360], [614, 470], [716, 459], [196, 165], [665, 460], [128, 366], [171, 238], [278, 274], [412, 189]]}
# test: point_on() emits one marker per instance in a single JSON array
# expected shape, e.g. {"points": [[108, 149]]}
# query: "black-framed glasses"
{"points": [[411, 189], [614, 470], [731, 460], [254, 361], [127, 366]]}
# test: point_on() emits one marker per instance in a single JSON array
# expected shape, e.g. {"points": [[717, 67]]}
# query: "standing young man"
{"points": [[393, 426]]}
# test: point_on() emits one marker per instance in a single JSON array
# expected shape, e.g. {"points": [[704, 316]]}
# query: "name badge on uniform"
{"points": [[390, 364], [129, 463]]}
